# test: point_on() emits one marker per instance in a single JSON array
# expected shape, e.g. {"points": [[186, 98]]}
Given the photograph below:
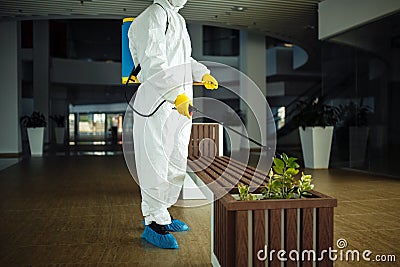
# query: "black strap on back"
{"points": [[136, 71], [166, 28]]}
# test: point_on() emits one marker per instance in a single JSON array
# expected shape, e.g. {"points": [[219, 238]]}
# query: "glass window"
{"points": [[361, 70], [86, 39], [220, 41], [114, 124], [91, 128]]}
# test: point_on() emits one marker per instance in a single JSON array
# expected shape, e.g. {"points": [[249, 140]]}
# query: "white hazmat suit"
{"points": [[161, 141]]}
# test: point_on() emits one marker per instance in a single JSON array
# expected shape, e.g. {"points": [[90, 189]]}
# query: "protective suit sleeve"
{"points": [[198, 70]]}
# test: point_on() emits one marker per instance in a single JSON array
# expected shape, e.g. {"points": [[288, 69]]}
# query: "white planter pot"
{"points": [[36, 138], [316, 145], [358, 139], [60, 134]]}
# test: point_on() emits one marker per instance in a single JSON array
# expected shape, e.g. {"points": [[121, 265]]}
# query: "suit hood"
{"points": [[167, 5]]}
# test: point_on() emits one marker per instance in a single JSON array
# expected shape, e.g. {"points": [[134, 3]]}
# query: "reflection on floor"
{"points": [[85, 149], [7, 162], [71, 210]]}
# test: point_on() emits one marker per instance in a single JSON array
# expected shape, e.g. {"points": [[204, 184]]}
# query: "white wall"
{"points": [[337, 16], [10, 138]]}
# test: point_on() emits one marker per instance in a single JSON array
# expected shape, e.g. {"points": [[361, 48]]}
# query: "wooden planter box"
{"points": [[240, 229], [243, 228]]}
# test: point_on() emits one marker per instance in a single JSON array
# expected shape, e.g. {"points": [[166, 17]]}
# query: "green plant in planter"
{"points": [[316, 113], [304, 185], [282, 183], [244, 193], [35, 120], [59, 120]]}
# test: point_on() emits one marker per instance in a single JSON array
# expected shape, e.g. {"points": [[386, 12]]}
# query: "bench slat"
{"points": [[249, 168], [240, 169], [225, 172], [231, 168], [207, 173]]}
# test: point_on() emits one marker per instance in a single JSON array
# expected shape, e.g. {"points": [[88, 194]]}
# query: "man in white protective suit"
{"points": [[160, 43]]}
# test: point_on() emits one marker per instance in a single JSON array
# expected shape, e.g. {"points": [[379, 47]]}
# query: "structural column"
{"points": [[253, 64], [41, 69], [10, 90]]}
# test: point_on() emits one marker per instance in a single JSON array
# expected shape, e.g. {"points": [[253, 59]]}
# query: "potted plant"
{"points": [[282, 182], [60, 128], [316, 121], [354, 131], [35, 125]]}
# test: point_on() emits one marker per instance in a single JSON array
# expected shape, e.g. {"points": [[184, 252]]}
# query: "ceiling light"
{"points": [[239, 8], [287, 45]]}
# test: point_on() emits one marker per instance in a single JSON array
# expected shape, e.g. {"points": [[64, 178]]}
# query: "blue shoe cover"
{"points": [[177, 226], [159, 240]]}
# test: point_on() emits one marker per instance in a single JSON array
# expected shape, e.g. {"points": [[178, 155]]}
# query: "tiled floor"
{"points": [[85, 210], [81, 210]]}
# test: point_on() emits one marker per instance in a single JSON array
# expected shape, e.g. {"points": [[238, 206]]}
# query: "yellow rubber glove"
{"points": [[210, 82], [182, 103]]}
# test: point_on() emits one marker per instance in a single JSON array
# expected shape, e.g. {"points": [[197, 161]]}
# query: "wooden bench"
{"points": [[205, 138], [240, 229]]}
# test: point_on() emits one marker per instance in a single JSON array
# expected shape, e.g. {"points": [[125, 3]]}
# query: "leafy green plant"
{"points": [[35, 120], [244, 193], [282, 183], [304, 185], [316, 113], [59, 120]]}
